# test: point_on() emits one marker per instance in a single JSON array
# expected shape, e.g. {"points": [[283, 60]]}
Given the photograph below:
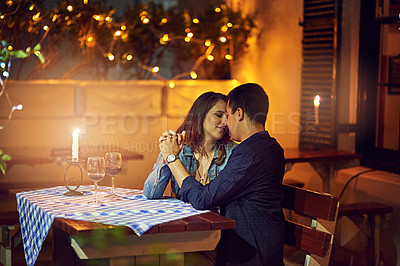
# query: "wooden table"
{"points": [[84, 243], [324, 161], [42, 155]]}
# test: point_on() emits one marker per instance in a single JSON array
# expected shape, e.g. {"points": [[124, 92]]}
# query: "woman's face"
{"points": [[215, 122]]}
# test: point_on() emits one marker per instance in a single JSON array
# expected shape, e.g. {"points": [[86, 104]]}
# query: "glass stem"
{"points": [[95, 192], [112, 185]]}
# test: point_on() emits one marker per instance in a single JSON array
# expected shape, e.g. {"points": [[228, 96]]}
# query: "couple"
{"points": [[243, 180]]}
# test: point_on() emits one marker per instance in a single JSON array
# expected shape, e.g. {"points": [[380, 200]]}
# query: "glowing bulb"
{"points": [[37, 53], [31, 7], [155, 69], [164, 20], [9, 3], [193, 75], [165, 37], [70, 8], [196, 21], [129, 57], [188, 30], [54, 17], [190, 34], [85, 2], [222, 39], [210, 57], [146, 21], [2, 65], [97, 17], [10, 48], [36, 16], [187, 39], [18, 107], [171, 84], [108, 19], [207, 43], [235, 82], [123, 27], [117, 33], [90, 39], [230, 25], [46, 28], [228, 57], [110, 56], [224, 28], [6, 74], [217, 9], [2, 17]]}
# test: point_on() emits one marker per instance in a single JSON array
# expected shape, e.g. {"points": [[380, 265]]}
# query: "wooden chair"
{"points": [[310, 223]]}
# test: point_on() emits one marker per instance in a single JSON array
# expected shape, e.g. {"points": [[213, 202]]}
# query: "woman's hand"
{"points": [[171, 142]]}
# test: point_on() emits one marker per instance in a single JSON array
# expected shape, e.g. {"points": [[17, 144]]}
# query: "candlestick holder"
{"points": [[73, 192]]}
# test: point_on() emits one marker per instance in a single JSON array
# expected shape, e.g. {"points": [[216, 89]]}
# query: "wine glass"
{"points": [[113, 161], [96, 172]]}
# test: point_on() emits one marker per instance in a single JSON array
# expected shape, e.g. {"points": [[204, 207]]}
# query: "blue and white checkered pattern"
{"points": [[38, 209]]}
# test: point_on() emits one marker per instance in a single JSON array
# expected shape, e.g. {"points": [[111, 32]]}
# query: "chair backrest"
{"points": [[310, 224]]}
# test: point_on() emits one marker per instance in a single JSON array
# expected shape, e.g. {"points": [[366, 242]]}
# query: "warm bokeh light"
{"points": [[18, 107], [196, 21], [171, 84], [146, 21], [165, 37], [228, 57], [110, 56], [117, 33], [85, 2], [193, 75], [97, 17], [70, 8], [108, 19], [164, 20], [89, 39], [129, 57], [210, 57], [187, 39], [235, 82], [222, 39], [217, 9], [10, 48], [31, 7], [207, 43], [190, 34], [230, 25], [45, 27], [54, 18], [224, 28], [155, 69], [123, 27], [36, 16]]}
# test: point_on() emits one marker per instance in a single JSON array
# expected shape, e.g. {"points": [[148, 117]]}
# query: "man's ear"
{"points": [[240, 114]]}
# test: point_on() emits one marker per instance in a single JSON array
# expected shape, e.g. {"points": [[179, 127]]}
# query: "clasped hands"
{"points": [[171, 142]]}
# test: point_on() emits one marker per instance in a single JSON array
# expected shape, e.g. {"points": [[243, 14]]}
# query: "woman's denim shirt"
{"points": [[160, 175]]}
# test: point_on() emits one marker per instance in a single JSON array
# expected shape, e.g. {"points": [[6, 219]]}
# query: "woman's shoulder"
{"points": [[230, 145]]}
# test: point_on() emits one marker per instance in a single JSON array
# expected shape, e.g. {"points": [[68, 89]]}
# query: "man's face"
{"points": [[232, 123]]}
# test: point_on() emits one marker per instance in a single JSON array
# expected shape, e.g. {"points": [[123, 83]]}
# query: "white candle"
{"points": [[317, 102], [75, 145]]}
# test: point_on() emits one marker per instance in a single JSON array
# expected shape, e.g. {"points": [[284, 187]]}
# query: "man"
{"points": [[248, 189]]}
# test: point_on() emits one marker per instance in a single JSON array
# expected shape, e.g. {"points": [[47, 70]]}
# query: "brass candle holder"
{"points": [[78, 182]]}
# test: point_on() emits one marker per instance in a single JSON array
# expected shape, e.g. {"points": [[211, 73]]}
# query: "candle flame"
{"points": [[76, 132], [317, 100]]}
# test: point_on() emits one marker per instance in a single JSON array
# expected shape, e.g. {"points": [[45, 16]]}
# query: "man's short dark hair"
{"points": [[252, 99]]}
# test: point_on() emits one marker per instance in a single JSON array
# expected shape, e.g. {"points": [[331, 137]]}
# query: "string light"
{"points": [[155, 69], [193, 75], [171, 84], [230, 25], [45, 27], [196, 21], [31, 7], [210, 58], [129, 57], [217, 9], [36, 16], [70, 8], [117, 33], [207, 43], [85, 2], [224, 28], [110, 56], [222, 39], [228, 57]]}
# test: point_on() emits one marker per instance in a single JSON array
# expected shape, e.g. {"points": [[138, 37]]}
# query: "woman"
{"points": [[206, 148]]}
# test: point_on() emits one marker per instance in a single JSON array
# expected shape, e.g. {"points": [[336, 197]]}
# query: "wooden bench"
{"points": [[369, 217], [310, 223]]}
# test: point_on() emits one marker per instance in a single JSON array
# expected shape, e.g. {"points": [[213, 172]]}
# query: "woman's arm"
{"points": [[158, 179]]}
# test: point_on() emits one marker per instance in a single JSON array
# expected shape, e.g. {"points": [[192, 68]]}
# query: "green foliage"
{"points": [[3, 158], [82, 42]]}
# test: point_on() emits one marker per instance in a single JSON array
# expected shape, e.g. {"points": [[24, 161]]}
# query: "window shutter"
{"points": [[319, 74]]}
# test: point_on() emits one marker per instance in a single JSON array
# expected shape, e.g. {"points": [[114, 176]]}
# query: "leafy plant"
{"points": [[3, 158]]}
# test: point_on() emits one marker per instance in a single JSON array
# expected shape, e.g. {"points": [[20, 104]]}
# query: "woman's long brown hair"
{"points": [[193, 125]]}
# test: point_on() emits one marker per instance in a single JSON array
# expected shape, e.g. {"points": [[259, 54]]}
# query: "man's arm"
{"points": [[172, 143]]}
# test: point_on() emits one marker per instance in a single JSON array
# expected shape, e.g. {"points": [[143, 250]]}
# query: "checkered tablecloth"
{"points": [[38, 209]]}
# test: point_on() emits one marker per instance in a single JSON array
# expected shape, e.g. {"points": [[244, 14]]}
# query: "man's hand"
{"points": [[171, 142]]}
